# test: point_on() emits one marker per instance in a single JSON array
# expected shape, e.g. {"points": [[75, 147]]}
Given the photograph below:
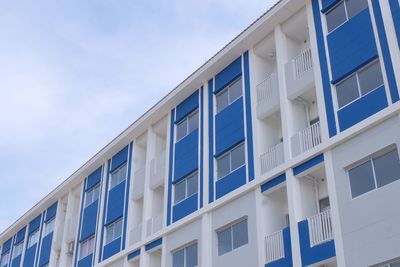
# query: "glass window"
{"points": [[192, 185], [223, 166], [18, 249], [232, 237], [4, 258], [230, 161], [113, 231], [92, 195], [235, 90], [387, 168], [178, 258], [118, 176], [224, 241], [86, 247], [370, 78], [181, 129], [48, 227], [186, 188], [361, 179], [193, 122], [237, 157], [222, 100], [33, 238], [180, 191], [324, 204], [354, 7], [185, 257], [227, 96], [336, 17], [239, 234], [347, 91], [187, 125]]}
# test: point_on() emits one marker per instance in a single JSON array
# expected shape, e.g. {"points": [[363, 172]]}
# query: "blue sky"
{"points": [[74, 74]]}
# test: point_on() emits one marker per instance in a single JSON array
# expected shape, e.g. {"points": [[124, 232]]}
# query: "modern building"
{"points": [[281, 150]]}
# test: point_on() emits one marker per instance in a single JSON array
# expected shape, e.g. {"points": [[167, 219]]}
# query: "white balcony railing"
{"points": [[274, 245], [272, 158], [138, 182], [155, 224], [267, 88], [135, 234], [302, 63], [306, 139], [157, 169], [320, 228]]}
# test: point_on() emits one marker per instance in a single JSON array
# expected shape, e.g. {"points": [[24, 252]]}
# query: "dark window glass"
{"points": [[387, 168], [181, 129], [193, 121], [191, 256], [235, 90], [192, 185], [224, 241], [180, 191], [239, 233], [223, 166], [336, 17], [361, 179], [370, 78], [355, 6], [237, 157], [347, 91], [222, 100], [324, 204], [178, 258]]}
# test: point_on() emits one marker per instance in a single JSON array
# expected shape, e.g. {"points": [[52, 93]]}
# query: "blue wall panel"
{"points": [[45, 249], [189, 105], [115, 204], [112, 248], [231, 182], [308, 164], [16, 262], [351, 46], [170, 167], [326, 4], [51, 212], [29, 256], [34, 224], [185, 208], [273, 182], [86, 262], [133, 254], [186, 155], [210, 141], [287, 260], [6, 246], [128, 179], [120, 158], [362, 108], [395, 7], [233, 71], [20, 235], [89, 221], [201, 174], [229, 127], [94, 178], [153, 244], [311, 255]]}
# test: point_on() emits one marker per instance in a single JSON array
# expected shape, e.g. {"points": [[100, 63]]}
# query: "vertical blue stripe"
{"points": [[104, 211], [395, 7], [385, 51], [250, 154], [80, 223], [98, 216], [330, 113], [127, 195], [211, 141], [171, 161], [39, 245], [201, 143]]}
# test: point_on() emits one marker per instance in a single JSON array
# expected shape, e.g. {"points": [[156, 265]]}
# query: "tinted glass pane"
{"points": [[355, 6], [239, 233], [178, 258], [118, 229], [180, 191], [336, 17], [223, 166], [235, 90], [324, 204], [96, 193], [109, 234], [387, 168], [370, 78], [224, 241], [361, 179], [192, 185], [114, 179], [181, 129], [193, 121], [191, 256], [122, 173], [222, 100], [237, 157], [89, 196], [347, 91]]}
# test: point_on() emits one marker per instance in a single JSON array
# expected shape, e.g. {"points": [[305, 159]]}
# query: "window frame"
{"points": [[47, 225], [91, 192], [344, 2], [113, 225], [227, 89], [5, 257], [230, 227], [185, 180], [35, 234], [88, 251], [20, 247], [356, 74], [118, 181], [186, 121], [184, 249], [229, 153]]}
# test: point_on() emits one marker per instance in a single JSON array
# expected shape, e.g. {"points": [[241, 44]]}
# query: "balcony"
{"points": [[267, 96], [135, 234], [299, 74], [320, 226], [278, 248], [157, 170], [155, 224], [272, 158], [138, 183], [306, 139]]}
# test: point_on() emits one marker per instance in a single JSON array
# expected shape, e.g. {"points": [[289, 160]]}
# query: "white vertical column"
{"points": [[260, 229], [148, 194], [206, 246], [101, 212]]}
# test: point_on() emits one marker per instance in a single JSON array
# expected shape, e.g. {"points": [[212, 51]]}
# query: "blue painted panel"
{"points": [[351, 46], [133, 254], [16, 262], [210, 142], [249, 121], [231, 182], [6, 246], [80, 223], [362, 108], [308, 164], [385, 51], [20, 235], [45, 249], [287, 260], [326, 86], [228, 74], [311, 255], [201, 145], [184, 208], [112, 248], [395, 7], [34, 224], [153, 244], [51, 212], [327, 4], [229, 127], [115, 204], [186, 155], [86, 262], [29, 256], [89, 221], [189, 105], [100, 257], [170, 168], [120, 158], [127, 196], [94, 178], [273, 182]]}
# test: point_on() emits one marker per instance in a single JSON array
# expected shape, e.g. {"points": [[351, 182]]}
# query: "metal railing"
{"points": [[274, 246], [271, 158], [302, 63], [155, 224], [320, 228], [157, 169], [306, 139], [267, 89], [135, 234]]}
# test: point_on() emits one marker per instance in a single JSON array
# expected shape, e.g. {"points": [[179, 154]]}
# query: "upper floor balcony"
{"points": [[306, 139], [138, 182], [272, 158], [267, 96], [157, 169], [278, 248]]}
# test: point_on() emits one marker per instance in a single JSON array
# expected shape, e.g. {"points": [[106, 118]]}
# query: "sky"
{"points": [[74, 74]]}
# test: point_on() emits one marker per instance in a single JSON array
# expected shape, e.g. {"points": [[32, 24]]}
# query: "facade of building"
{"points": [[281, 150]]}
